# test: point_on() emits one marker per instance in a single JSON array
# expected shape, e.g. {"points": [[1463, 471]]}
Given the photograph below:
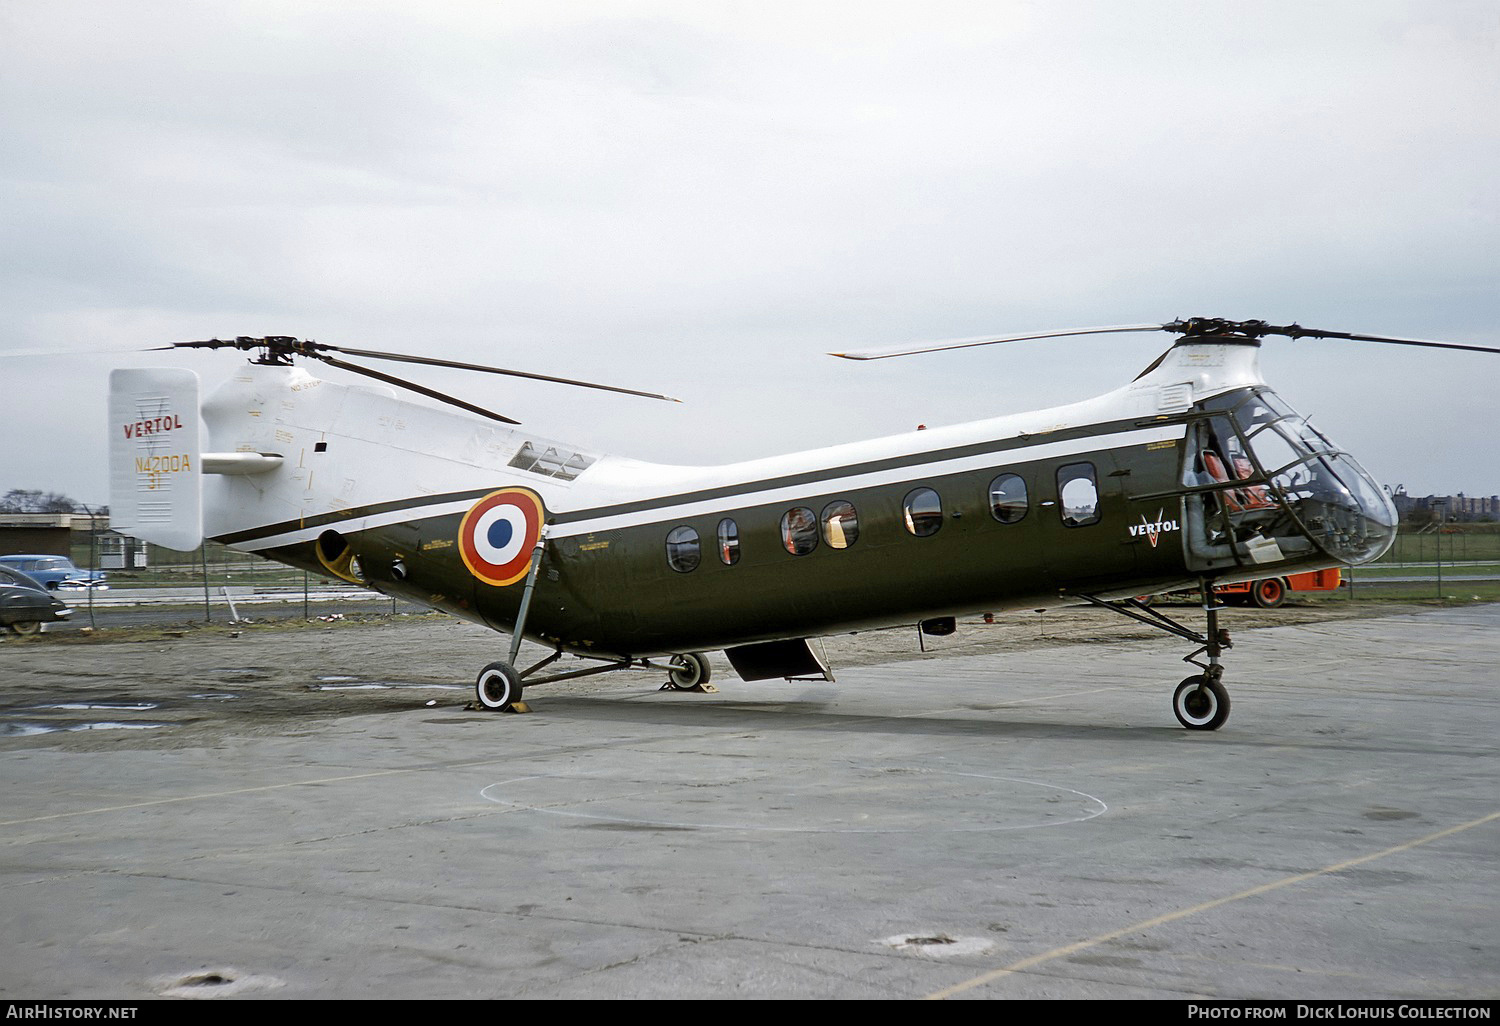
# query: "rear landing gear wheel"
{"points": [[1269, 593], [1200, 703], [689, 671], [498, 687]]}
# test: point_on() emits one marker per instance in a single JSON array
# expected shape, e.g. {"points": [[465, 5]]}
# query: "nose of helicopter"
{"points": [[1360, 524]]}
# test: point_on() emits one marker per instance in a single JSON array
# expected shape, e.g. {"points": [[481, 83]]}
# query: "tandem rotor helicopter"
{"points": [[1193, 474]]}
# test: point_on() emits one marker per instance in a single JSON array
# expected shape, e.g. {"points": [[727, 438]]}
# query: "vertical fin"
{"points": [[155, 456]]}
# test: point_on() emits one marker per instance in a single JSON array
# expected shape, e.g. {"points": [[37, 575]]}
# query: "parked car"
{"points": [[54, 572], [25, 605]]}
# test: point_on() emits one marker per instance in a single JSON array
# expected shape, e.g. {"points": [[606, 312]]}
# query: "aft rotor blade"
{"points": [[89, 351], [457, 365], [431, 393], [243, 342], [965, 343]]}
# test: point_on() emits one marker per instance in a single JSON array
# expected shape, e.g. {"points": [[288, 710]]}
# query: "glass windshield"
{"points": [[1343, 511], [1273, 450], [1299, 493]]}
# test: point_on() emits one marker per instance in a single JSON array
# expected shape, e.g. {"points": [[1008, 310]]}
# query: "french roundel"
{"points": [[498, 533]]}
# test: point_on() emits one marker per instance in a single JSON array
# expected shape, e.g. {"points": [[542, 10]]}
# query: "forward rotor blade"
{"points": [[431, 393], [1297, 331], [457, 365], [1197, 326], [965, 343]]}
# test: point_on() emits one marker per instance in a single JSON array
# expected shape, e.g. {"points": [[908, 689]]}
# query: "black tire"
{"points": [[498, 687], [1201, 704], [27, 628], [1269, 593], [689, 670]]}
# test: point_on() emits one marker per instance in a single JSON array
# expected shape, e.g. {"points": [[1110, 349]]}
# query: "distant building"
{"points": [[67, 534], [1455, 507], [48, 534]]}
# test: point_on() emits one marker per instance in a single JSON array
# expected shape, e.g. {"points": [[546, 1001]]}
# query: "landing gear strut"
{"points": [[500, 685], [1201, 702]]}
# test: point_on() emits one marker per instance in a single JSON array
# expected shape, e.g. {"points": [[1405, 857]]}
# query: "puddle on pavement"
{"points": [[111, 706], [24, 729], [379, 685]]}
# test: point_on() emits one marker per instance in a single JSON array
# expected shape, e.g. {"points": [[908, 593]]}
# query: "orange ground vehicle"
{"points": [[1270, 592]]}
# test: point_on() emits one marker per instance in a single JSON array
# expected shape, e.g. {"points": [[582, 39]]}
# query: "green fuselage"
{"points": [[612, 591], [636, 559]]}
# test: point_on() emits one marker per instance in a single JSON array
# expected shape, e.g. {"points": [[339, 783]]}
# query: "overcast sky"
{"points": [[704, 198]]}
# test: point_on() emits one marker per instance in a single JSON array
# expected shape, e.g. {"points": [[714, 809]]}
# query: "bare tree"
{"points": [[23, 500]]}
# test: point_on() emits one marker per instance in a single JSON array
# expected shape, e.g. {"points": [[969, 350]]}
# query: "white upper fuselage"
{"points": [[379, 450]]}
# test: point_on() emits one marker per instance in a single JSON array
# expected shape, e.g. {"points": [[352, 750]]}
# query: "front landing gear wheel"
{"points": [[1200, 703], [689, 672], [498, 687]]}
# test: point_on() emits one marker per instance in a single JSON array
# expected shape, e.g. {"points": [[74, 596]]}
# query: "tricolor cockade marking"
{"points": [[496, 536]]}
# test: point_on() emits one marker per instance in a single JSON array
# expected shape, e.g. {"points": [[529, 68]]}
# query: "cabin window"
{"points": [[923, 512], [1008, 502], [683, 551], [799, 530], [1078, 494], [840, 524], [729, 542]]}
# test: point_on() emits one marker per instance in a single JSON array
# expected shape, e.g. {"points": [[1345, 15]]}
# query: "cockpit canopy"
{"points": [[1265, 486]]}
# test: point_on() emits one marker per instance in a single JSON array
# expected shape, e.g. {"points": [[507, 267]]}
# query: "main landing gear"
{"points": [[689, 672], [499, 688], [1201, 702], [500, 685]]}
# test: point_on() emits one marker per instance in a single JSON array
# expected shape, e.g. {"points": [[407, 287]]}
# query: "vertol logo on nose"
{"points": [[1153, 532]]}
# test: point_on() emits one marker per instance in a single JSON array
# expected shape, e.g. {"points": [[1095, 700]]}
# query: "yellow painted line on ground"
{"points": [[1148, 924]]}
